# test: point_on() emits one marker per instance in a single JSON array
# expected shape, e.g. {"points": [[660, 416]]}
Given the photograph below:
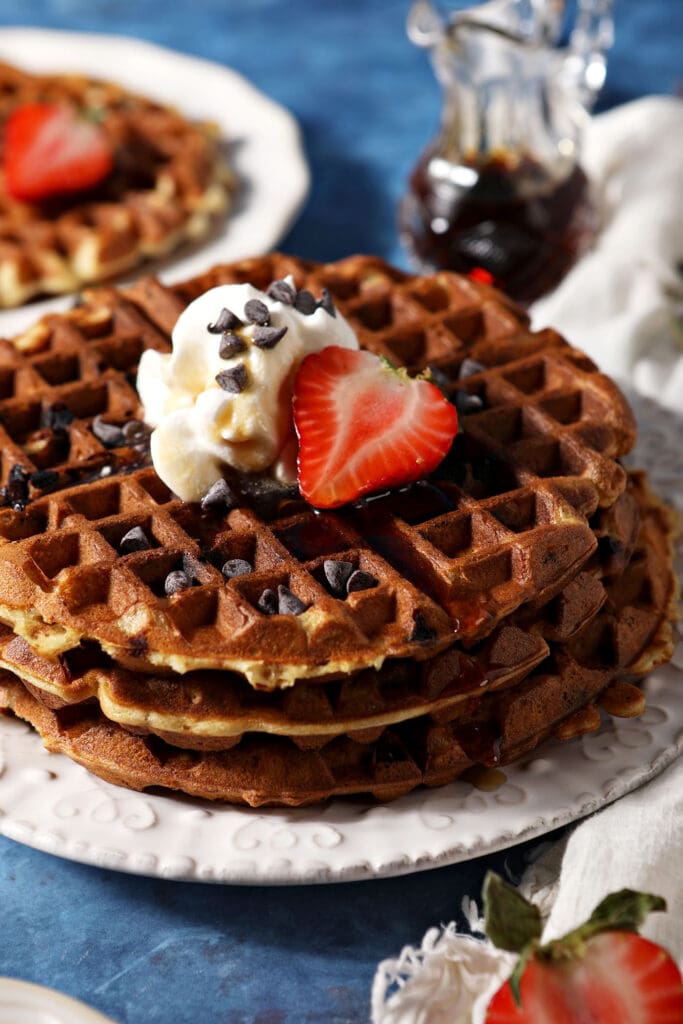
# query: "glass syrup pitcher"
{"points": [[500, 192]]}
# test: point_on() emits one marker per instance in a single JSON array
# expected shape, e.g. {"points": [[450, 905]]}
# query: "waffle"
{"points": [[503, 523], [627, 638], [204, 710], [169, 184]]}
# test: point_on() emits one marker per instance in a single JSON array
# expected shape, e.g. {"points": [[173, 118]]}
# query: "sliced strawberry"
{"points": [[364, 426], [49, 150], [620, 978], [603, 972]]}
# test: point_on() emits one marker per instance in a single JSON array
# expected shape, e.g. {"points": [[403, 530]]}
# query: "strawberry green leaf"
{"points": [[625, 909], [620, 911], [512, 922]]}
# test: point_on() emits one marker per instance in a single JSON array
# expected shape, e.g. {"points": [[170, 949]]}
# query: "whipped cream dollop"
{"points": [[223, 397]]}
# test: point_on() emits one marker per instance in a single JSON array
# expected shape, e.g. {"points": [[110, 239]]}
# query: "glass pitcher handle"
{"points": [[585, 63], [425, 25]]}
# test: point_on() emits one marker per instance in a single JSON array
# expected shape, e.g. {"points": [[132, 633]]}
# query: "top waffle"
{"points": [[502, 523], [168, 182]]}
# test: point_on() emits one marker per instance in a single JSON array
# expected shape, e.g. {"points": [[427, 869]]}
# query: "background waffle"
{"points": [[630, 636], [168, 184], [204, 710], [505, 522]]}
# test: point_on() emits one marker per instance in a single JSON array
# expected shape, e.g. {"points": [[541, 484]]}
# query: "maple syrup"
{"points": [[506, 216], [486, 780], [500, 193]]}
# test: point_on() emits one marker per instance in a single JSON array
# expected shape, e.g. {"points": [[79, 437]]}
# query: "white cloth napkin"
{"points": [[623, 301], [623, 305], [636, 843]]}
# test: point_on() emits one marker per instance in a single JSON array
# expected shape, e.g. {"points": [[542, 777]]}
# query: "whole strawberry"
{"points": [[365, 426], [601, 973]]}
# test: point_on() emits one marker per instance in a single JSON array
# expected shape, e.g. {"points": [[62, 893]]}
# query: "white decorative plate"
{"points": [[24, 1003], [48, 802], [264, 144]]}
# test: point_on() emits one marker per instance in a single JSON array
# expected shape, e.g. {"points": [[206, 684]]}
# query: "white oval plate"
{"points": [[48, 802], [24, 1003], [264, 142]]}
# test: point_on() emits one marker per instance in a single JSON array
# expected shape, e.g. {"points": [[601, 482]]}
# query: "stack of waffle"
{"points": [[168, 185], [455, 623]]}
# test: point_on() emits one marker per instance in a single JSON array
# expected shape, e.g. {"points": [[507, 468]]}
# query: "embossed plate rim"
{"points": [[49, 803]]}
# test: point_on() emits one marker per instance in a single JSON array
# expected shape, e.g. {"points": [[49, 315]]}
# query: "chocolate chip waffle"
{"points": [[203, 710], [626, 639], [90, 535], [485, 607], [168, 185]]}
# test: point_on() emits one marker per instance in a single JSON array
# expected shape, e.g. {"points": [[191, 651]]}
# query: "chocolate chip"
{"points": [[17, 474], [267, 602], [439, 378], [138, 645], [465, 403], [469, 367], [236, 567], [57, 417], [327, 302], [422, 633], [337, 575], [233, 380], [267, 496], [226, 321], [257, 312], [360, 580], [230, 345], [107, 434], [282, 291], [305, 302], [44, 479], [219, 497], [134, 540], [175, 582], [268, 337], [288, 603], [16, 490], [136, 432]]}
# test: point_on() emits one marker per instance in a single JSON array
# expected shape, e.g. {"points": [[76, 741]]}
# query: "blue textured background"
{"points": [[146, 951]]}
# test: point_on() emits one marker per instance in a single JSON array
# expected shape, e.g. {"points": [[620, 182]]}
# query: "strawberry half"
{"points": [[601, 973], [364, 426], [49, 150]]}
